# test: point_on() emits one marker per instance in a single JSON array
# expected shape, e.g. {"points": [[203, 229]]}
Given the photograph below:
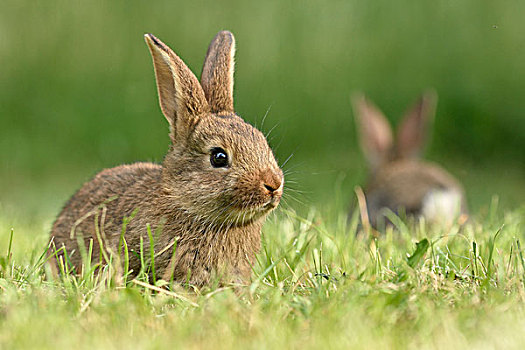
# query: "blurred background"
{"points": [[77, 90]]}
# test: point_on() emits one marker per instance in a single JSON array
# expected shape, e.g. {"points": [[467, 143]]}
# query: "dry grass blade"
{"points": [[164, 291]]}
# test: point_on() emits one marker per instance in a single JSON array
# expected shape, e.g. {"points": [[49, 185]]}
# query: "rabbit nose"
{"points": [[269, 188], [271, 181]]}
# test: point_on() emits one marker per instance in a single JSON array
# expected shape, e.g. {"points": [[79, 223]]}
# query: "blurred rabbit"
{"points": [[398, 179], [208, 199]]}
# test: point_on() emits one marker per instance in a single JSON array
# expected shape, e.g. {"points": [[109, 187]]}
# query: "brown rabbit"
{"points": [[398, 179], [217, 183]]}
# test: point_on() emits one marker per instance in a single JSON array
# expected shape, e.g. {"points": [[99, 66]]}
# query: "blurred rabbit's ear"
{"points": [[412, 133], [375, 134], [217, 73], [181, 97]]}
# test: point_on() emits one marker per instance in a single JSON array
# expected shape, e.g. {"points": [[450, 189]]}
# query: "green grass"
{"points": [[316, 284]]}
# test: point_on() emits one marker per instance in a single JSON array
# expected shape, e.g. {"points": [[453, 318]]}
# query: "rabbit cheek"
{"points": [[247, 195], [260, 191]]}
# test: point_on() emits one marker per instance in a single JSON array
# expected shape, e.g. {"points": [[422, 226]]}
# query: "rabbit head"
{"points": [[398, 179], [219, 169]]}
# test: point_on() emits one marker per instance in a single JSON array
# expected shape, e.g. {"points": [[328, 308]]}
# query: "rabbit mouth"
{"points": [[270, 205], [266, 207], [245, 216]]}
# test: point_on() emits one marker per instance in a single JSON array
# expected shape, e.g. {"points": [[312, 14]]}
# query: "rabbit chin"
{"points": [[242, 217]]}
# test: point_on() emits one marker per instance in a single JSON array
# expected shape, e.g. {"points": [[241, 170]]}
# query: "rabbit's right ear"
{"points": [[375, 133], [413, 131], [181, 97], [217, 72]]}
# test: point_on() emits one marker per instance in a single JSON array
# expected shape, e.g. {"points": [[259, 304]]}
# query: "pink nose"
{"points": [[271, 181]]}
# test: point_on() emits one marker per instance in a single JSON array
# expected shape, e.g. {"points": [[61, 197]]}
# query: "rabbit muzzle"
{"points": [[272, 184]]}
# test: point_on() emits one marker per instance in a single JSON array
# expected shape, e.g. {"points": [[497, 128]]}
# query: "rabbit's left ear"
{"points": [[412, 133], [217, 73], [375, 133], [181, 97]]}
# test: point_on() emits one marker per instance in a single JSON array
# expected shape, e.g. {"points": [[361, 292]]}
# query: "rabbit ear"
{"points": [[375, 134], [412, 133], [217, 72], [181, 97]]}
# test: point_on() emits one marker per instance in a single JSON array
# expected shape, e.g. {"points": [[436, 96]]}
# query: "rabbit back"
{"points": [[415, 188], [101, 204]]}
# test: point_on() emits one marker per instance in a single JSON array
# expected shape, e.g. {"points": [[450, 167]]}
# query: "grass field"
{"points": [[316, 284]]}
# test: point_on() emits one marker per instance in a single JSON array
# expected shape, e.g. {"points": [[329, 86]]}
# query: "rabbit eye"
{"points": [[218, 158]]}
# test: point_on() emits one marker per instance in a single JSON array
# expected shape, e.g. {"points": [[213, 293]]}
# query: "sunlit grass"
{"points": [[316, 284]]}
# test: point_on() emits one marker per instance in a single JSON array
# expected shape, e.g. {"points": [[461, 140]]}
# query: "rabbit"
{"points": [[398, 179], [206, 202]]}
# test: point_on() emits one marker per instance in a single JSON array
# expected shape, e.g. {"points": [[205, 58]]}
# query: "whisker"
{"points": [[295, 166], [289, 172], [272, 129], [290, 189], [265, 115], [292, 182], [287, 159], [295, 199]]}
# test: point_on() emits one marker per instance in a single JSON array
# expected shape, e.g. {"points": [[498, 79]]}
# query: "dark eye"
{"points": [[218, 158]]}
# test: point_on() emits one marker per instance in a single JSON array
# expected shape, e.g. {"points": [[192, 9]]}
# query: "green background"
{"points": [[77, 90]]}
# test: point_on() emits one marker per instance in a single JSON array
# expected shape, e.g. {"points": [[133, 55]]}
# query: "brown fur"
{"points": [[398, 179], [214, 215]]}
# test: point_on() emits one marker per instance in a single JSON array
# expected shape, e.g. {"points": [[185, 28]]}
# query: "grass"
{"points": [[316, 284]]}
